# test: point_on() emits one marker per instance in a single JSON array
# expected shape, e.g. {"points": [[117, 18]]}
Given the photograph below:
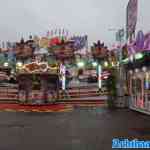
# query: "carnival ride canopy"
{"points": [[52, 49], [141, 43], [99, 50]]}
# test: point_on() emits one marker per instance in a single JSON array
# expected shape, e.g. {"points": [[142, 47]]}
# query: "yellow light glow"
{"points": [[106, 64], [19, 64], [112, 64]]}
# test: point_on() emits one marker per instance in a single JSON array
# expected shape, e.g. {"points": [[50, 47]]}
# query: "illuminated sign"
{"points": [[99, 76], [63, 72]]}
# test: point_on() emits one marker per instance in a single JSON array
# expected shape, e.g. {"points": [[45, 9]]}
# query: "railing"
{"points": [[10, 93]]}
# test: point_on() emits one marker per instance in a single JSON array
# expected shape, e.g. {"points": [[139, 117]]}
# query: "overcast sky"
{"points": [[93, 17]]}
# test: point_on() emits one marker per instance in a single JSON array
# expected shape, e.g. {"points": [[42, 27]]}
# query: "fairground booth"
{"points": [[138, 73], [38, 66]]}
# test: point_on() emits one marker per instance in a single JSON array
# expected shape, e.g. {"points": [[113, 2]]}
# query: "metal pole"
{"points": [[121, 71]]}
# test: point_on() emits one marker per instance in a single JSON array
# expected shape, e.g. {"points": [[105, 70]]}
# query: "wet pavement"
{"points": [[81, 129]]}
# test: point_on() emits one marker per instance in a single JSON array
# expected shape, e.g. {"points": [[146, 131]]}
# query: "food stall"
{"points": [[38, 83]]}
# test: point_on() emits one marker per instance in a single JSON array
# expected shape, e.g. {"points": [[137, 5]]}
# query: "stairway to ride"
{"points": [[86, 93], [8, 94], [75, 94]]}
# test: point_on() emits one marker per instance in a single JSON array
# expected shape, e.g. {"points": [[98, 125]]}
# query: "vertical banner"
{"points": [[99, 76], [131, 18]]}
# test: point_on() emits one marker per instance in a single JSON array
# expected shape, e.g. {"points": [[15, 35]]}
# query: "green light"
{"points": [[125, 60], [94, 64], [138, 56]]}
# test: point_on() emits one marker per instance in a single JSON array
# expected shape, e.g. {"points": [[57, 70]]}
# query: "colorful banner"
{"points": [[131, 17], [142, 43], [80, 42]]}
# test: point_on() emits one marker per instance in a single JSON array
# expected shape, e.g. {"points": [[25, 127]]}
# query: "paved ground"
{"points": [[80, 129]]}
